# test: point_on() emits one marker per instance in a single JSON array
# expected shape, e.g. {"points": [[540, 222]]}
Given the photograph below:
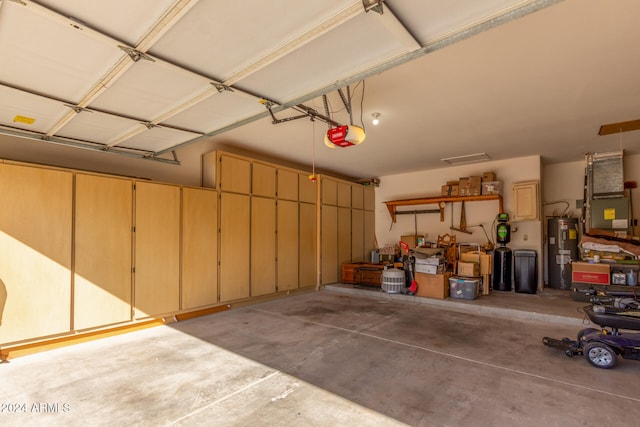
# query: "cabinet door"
{"points": [[103, 256], [287, 185], [525, 201], [235, 226], [263, 180], [263, 246], [287, 245], [329, 192], [235, 175], [35, 248], [308, 245], [344, 237], [369, 233], [199, 247], [307, 189], [329, 244], [157, 249], [357, 197], [369, 199], [357, 235], [344, 195]]}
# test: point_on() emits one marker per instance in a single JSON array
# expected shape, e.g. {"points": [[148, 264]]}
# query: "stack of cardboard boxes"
{"points": [[472, 276], [475, 185], [432, 279]]}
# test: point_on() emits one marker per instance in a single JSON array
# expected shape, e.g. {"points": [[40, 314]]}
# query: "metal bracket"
{"points": [[222, 87], [135, 55], [78, 109], [375, 5]]}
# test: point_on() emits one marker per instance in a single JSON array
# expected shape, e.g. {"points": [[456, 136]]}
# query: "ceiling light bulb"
{"points": [[375, 120]]}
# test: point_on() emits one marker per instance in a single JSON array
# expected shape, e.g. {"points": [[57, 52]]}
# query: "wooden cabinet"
{"points": [[263, 180], [157, 249], [525, 201], [35, 247], [288, 252], [329, 247], [357, 235], [235, 226], [234, 174], [103, 256], [307, 189], [287, 185], [369, 233], [355, 228], [344, 194], [344, 235], [124, 249], [329, 195], [357, 197], [369, 199], [263, 246], [199, 248], [308, 241], [362, 273]]}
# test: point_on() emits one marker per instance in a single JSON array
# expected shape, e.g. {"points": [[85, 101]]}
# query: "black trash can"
{"points": [[526, 271]]}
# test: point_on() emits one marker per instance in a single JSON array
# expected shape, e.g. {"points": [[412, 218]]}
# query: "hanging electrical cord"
{"points": [[312, 177], [362, 107]]}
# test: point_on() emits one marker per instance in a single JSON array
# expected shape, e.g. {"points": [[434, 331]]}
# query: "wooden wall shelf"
{"points": [[393, 204]]}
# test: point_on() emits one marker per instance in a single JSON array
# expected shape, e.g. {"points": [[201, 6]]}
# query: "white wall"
{"points": [[528, 234], [427, 183]]}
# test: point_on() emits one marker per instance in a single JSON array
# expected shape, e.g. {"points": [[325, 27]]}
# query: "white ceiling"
{"points": [[146, 78]]}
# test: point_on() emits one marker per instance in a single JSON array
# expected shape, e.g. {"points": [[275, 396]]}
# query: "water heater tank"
{"points": [[563, 249]]}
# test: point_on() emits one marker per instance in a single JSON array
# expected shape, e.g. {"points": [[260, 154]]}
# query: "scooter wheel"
{"points": [[569, 353], [600, 355]]}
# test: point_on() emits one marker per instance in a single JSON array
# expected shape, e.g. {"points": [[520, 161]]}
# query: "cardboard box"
{"points": [[475, 185], [488, 176], [468, 269], [470, 256], [596, 274], [463, 183], [430, 269], [464, 288], [431, 260], [470, 186], [485, 260], [449, 190], [433, 285], [486, 264]]}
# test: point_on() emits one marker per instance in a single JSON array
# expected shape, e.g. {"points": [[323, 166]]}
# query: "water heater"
{"points": [[563, 248]]}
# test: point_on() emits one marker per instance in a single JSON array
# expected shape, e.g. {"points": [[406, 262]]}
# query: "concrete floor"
{"points": [[338, 357]]}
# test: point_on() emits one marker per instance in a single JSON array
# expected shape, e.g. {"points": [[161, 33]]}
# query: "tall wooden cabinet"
{"points": [[36, 248], [199, 260], [347, 227], [157, 237], [103, 251], [235, 246], [84, 251]]}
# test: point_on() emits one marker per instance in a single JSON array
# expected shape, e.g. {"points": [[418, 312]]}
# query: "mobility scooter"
{"points": [[601, 347]]}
